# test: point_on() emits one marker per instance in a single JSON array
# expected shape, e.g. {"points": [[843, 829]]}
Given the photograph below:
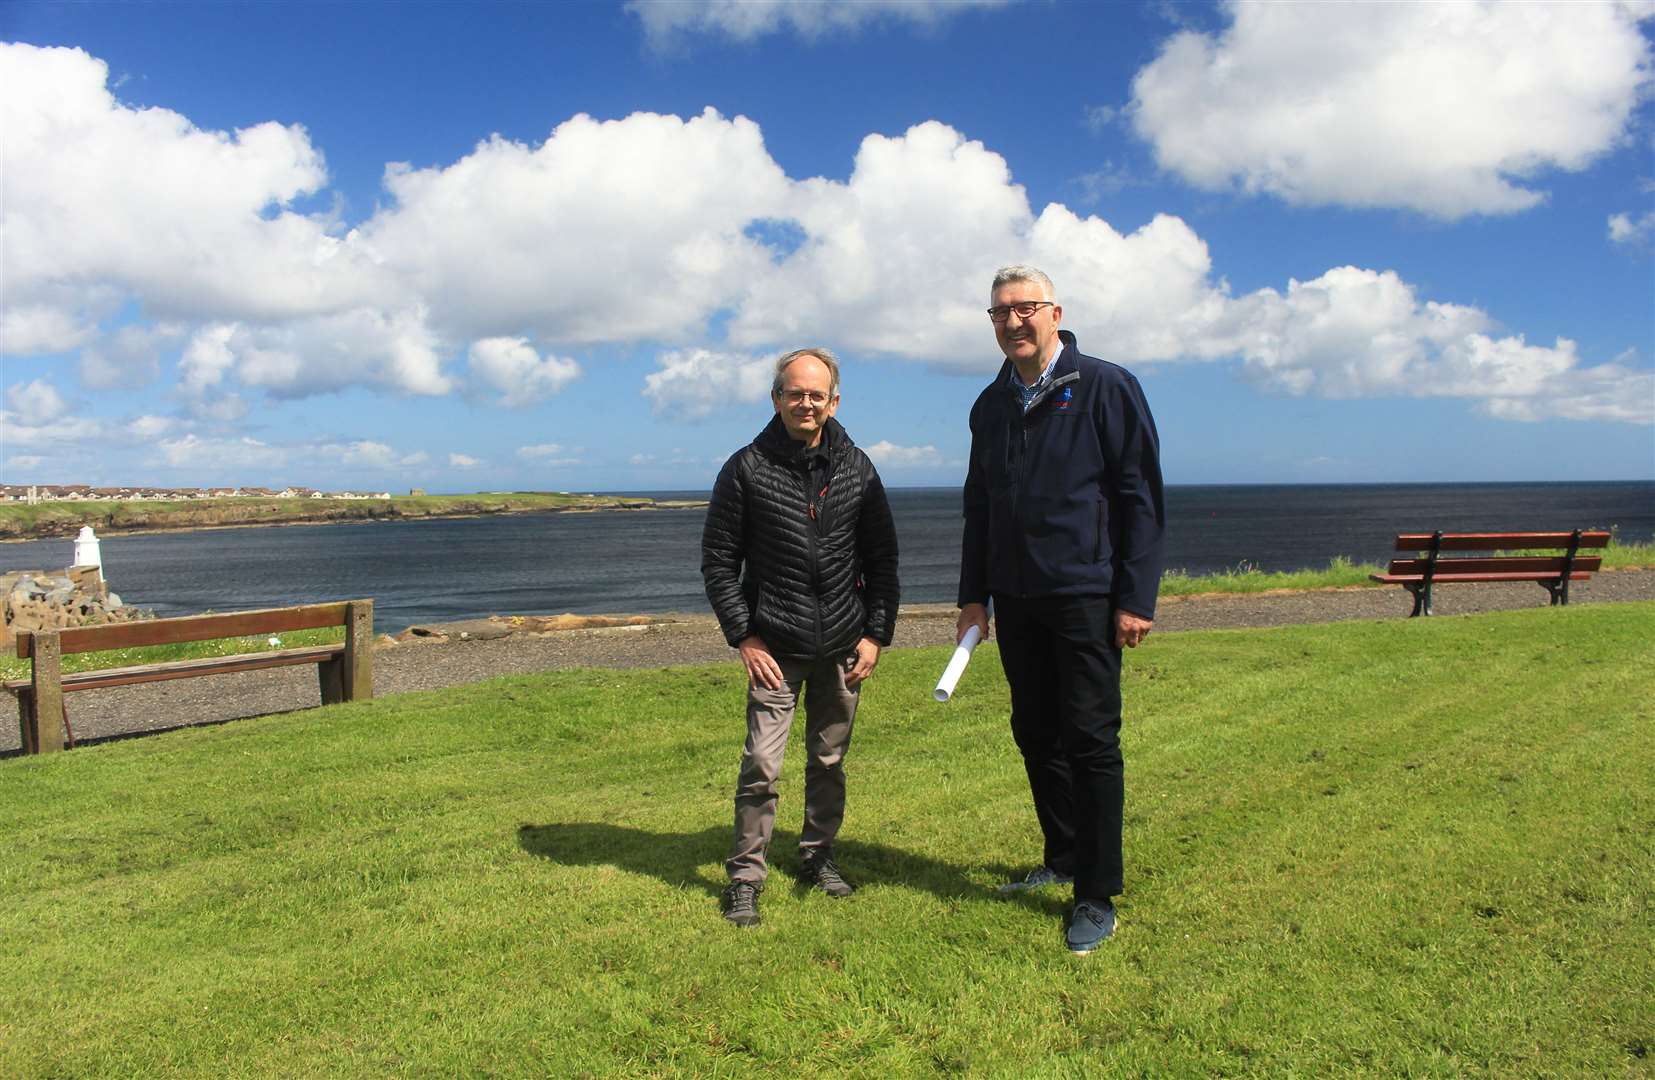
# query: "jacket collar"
{"points": [[1063, 365], [775, 442]]}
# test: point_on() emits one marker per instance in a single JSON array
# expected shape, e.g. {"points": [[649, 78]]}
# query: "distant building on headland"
{"points": [[37, 493]]}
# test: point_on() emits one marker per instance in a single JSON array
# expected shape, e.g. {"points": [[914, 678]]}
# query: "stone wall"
{"points": [[41, 600]]}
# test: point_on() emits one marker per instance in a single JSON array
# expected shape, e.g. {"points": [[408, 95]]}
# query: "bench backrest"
{"points": [[193, 628], [1576, 565], [1499, 541]]}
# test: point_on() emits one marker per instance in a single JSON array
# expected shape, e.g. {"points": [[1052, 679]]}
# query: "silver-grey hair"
{"points": [[824, 355], [1021, 272]]}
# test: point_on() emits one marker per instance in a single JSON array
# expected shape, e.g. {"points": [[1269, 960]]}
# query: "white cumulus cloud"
{"points": [[1632, 230], [511, 367], [129, 357], [693, 383], [747, 20], [550, 454], [1449, 108], [107, 202], [363, 452], [148, 428], [250, 297], [480, 239], [888, 455], [192, 451], [1360, 333], [463, 461], [36, 401]]}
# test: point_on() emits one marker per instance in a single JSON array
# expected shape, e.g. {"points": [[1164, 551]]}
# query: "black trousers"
{"points": [[1065, 673]]}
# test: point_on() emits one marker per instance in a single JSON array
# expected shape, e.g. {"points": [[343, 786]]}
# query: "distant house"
{"points": [[86, 493]]}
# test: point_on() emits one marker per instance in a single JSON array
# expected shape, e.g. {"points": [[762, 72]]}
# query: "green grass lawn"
{"points": [[1410, 847]]}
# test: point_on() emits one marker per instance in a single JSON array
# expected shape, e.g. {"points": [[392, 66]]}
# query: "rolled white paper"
{"points": [[956, 664]]}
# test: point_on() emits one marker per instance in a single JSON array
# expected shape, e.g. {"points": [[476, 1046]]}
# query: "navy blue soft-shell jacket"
{"points": [[1065, 499]]}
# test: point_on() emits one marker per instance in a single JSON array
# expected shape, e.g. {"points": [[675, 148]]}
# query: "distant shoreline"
{"points": [[62, 520]]}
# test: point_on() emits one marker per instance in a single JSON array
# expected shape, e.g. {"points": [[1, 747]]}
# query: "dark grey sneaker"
{"points": [[1041, 877], [1089, 926], [824, 874], [741, 903]]}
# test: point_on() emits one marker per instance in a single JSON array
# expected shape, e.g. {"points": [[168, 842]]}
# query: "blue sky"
{"points": [[475, 247]]}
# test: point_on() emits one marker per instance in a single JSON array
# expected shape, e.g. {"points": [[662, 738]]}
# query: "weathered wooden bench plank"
{"points": [[188, 669], [195, 628], [1514, 541], [1534, 566]]}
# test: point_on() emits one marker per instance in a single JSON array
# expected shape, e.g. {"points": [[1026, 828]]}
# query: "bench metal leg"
{"points": [[1422, 598], [1559, 591]]}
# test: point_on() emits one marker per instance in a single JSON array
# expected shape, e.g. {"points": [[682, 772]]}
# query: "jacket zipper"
{"points": [[815, 520], [1022, 419], [1023, 426]]}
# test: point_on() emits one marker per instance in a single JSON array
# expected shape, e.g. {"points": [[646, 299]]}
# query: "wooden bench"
{"points": [[345, 670], [1553, 572]]}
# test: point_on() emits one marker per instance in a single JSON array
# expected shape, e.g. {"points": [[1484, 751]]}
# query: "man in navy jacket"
{"points": [[1063, 527]]}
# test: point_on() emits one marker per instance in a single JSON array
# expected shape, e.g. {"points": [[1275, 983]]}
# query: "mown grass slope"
{"points": [[1405, 847]]}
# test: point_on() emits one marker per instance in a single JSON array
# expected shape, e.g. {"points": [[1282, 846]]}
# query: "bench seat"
{"points": [[1403, 579], [187, 669]]}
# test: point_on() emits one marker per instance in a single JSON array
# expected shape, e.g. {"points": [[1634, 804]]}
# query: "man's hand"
{"points": [[1130, 629], [867, 658], [971, 615], [762, 669]]}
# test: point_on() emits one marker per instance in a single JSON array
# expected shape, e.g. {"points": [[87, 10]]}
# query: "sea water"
{"points": [[650, 561]]}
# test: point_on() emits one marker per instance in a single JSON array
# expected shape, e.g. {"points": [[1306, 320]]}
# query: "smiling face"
{"points": [[1029, 342], [806, 399]]}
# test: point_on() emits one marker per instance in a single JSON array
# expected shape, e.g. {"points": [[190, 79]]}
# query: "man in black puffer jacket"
{"points": [[799, 558]]}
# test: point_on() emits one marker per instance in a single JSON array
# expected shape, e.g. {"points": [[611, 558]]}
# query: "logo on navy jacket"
{"points": [[1064, 398]]}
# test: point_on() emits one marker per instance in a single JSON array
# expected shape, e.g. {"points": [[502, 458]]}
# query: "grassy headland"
{"points": [[1385, 848], [22, 522]]}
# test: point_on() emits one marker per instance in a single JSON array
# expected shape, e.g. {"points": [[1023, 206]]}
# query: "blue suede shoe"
{"points": [[1040, 877], [1090, 926]]}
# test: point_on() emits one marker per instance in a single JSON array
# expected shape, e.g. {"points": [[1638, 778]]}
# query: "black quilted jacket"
{"points": [[809, 571]]}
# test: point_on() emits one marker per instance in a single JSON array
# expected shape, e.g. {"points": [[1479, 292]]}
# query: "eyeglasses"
{"points": [[798, 397], [1025, 309]]}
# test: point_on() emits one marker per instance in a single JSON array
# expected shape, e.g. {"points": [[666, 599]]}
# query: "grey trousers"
{"points": [[830, 711]]}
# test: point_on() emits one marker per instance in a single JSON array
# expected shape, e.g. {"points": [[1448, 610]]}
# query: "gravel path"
{"points": [[688, 639]]}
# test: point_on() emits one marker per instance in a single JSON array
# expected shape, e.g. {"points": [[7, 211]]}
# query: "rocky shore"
{"points": [[452, 654]]}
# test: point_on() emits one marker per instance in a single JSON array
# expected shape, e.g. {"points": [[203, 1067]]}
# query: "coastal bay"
{"points": [[546, 562]]}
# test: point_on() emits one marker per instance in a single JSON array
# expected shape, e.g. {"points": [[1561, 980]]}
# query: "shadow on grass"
{"points": [[681, 859], [73, 742]]}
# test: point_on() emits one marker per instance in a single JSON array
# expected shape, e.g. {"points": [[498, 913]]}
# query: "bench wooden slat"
{"points": [[1548, 565], [1404, 579], [191, 628], [1499, 541], [186, 669]]}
